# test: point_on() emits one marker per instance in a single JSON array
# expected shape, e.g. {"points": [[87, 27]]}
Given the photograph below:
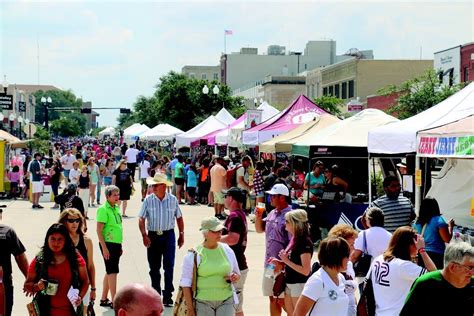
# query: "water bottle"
{"points": [[270, 270]]}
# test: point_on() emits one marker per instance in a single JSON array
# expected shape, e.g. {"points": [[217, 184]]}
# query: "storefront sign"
{"points": [[462, 146], [6, 101], [448, 63]]}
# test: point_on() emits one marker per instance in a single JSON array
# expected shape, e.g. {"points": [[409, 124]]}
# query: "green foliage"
{"points": [[95, 131], [179, 101], [41, 140], [330, 103], [59, 98], [70, 124], [418, 94], [377, 183]]}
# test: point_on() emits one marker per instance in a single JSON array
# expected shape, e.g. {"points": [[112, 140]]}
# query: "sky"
{"points": [[111, 52]]}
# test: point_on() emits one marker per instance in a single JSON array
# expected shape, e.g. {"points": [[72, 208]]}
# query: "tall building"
{"points": [[202, 72], [242, 70], [358, 78], [91, 117]]}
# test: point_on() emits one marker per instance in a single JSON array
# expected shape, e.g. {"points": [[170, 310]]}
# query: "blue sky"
{"points": [[111, 52]]}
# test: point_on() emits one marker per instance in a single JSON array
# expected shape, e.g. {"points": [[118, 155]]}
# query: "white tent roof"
{"points": [[136, 130], [207, 126], [351, 132], [234, 136], [160, 132], [107, 131], [225, 117], [131, 127], [400, 137]]}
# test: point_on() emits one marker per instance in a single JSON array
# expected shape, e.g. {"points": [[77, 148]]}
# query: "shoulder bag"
{"points": [[366, 305], [180, 308], [362, 266]]}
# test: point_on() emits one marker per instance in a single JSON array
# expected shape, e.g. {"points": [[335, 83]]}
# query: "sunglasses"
{"points": [[73, 220]]}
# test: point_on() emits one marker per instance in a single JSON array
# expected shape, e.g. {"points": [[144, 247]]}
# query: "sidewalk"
{"points": [[31, 226]]}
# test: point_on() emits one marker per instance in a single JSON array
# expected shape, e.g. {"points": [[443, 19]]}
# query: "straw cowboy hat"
{"points": [[159, 178]]}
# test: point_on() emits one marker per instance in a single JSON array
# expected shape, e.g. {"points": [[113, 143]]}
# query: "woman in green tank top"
{"points": [[217, 271]]}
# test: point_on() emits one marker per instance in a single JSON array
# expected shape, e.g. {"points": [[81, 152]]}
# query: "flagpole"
{"points": [[225, 42]]}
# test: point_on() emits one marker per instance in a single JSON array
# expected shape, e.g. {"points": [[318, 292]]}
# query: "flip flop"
{"points": [[106, 303]]}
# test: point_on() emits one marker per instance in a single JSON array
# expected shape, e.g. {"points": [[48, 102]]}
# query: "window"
{"points": [[203, 76], [192, 75], [216, 76], [325, 91], [351, 89], [331, 90], [344, 90], [336, 91], [305, 66]]}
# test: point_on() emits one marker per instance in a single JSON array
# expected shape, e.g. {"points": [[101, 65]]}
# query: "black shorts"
{"points": [[191, 191], [179, 181], [115, 251]]}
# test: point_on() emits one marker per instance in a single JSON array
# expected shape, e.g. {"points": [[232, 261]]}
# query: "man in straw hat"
{"points": [[160, 210]]}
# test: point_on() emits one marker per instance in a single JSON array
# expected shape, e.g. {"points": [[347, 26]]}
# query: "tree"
{"points": [[59, 99], [179, 101], [70, 124], [418, 94], [41, 140], [330, 103]]}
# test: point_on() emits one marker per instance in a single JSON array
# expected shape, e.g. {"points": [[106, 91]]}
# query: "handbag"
{"points": [[180, 308], [366, 305], [33, 308], [90, 309], [362, 266], [279, 285]]}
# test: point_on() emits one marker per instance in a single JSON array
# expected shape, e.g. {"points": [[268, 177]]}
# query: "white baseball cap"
{"points": [[280, 189]]}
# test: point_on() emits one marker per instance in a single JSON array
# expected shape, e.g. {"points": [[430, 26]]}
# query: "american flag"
{"points": [[228, 32]]}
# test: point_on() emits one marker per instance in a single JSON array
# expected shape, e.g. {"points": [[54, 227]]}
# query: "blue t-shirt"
{"points": [[433, 240], [192, 179], [315, 180]]}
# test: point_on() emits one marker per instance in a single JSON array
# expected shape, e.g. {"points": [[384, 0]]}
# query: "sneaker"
{"points": [[39, 206], [98, 203], [168, 302], [33, 206]]}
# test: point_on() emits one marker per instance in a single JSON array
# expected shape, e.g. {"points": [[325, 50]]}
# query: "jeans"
{"points": [[132, 167], [162, 249], [54, 188], [99, 186]]}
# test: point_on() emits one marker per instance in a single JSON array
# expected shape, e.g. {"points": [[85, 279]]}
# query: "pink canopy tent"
{"points": [[301, 111], [210, 139]]}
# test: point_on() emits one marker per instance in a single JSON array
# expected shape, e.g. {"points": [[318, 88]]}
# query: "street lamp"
{"points": [[215, 90], [12, 118], [46, 102], [5, 84], [20, 120]]}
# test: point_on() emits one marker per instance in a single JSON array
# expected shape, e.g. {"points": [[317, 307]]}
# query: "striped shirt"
{"points": [[160, 214], [398, 212]]}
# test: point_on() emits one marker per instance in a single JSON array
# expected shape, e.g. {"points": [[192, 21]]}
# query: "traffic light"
{"points": [[86, 110], [125, 111]]}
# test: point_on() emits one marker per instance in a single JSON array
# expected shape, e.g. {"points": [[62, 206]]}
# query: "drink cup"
{"points": [[52, 287], [260, 208], [270, 270]]}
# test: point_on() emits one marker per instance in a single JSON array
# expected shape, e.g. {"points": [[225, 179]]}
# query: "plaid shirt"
{"points": [[257, 182]]}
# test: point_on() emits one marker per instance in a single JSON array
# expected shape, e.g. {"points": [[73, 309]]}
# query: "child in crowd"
{"points": [[191, 184], [14, 177]]}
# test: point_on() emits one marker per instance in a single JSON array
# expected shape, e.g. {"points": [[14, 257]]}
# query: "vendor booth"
{"points": [[133, 133], [301, 111], [343, 143], [224, 116], [107, 132], [161, 132], [400, 138], [269, 114], [453, 187], [209, 125], [283, 143]]}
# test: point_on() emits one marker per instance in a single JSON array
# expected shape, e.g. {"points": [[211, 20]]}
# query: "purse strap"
{"points": [[423, 230], [194, 283], [365, 242]]}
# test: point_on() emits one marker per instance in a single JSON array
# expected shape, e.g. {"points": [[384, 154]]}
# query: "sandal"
{"points": [[106, 303]]}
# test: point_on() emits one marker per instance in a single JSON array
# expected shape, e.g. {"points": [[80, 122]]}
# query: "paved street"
{"points": [[31, 226]]}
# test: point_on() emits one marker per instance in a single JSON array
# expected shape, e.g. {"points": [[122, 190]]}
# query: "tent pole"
{"points": [[227, 150], [370, 181], [216, 152], [417, 187]]}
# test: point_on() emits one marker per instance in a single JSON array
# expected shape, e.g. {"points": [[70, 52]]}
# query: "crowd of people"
{"points": [[410, 259]]}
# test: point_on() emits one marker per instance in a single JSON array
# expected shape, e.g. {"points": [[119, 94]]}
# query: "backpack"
{"points": [[231, 176]]}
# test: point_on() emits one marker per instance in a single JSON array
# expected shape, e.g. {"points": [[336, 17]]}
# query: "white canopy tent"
{"points": [[400, 137], [224, 116], [131, 134], [109, 131], [453, 190], [161, 132], [207, 126], [234, 135]]}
